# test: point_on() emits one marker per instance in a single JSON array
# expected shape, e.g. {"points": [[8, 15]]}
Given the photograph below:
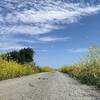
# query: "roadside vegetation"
{"points": [[17, 63], [12, 69], [46, 69], [88, 69]]}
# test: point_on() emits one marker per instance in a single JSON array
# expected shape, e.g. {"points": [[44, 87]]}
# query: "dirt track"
{"points": [[46, 86]]}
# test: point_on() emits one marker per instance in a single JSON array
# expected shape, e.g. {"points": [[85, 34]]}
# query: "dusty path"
{"points": [[46, 86]]}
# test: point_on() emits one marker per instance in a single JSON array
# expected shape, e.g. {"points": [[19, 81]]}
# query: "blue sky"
{"points": [[60, 31]]}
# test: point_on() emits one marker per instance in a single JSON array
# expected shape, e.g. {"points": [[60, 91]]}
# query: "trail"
{"points": [[46, 86]]}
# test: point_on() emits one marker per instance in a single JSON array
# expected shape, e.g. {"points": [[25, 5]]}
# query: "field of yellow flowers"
{"points": [[12, 69], [88, 71], [46, 69]]}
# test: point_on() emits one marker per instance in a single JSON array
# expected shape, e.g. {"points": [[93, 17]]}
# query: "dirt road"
{"points": [[46, 86]]}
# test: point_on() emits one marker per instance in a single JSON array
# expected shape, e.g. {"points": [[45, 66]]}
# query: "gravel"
{"points": [[46, 86]]}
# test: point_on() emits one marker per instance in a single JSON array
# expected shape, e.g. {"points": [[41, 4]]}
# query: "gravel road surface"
{"points": [[46, 86]]}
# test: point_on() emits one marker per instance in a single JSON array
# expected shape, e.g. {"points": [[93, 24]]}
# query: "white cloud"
{"points": [[52, 39], [42, 51], [8, 44], [26, 29], [78, 50], [35, 17], [42, 20]]}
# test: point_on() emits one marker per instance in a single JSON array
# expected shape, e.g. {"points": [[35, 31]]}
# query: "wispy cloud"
{"points": [[77, 50], [42, 17], [8, 44], [52, 39], [35, 17], [42, 51]]}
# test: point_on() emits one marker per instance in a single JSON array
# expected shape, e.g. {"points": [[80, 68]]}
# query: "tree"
{"points": [[26, 55], [22, 56], [14, 55]]}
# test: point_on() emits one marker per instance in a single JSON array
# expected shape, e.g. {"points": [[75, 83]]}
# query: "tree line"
{"points": [[25, 55]]}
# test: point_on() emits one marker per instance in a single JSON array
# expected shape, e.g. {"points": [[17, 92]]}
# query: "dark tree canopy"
{"points": [[26, 55], [22, 56]]}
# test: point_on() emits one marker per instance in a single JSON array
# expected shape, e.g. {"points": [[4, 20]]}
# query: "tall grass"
{"points": [[12, 69], [87, 71]]}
